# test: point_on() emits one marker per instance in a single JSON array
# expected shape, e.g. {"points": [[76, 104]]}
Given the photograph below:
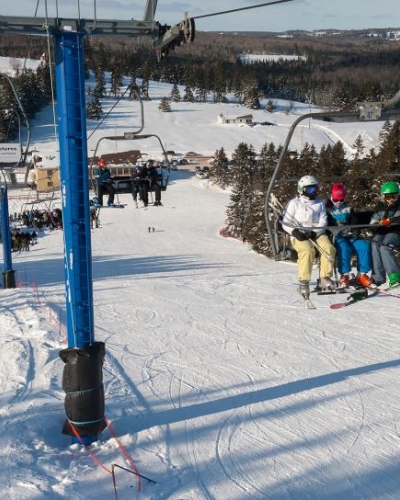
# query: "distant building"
{"points": [[393, 35], [262, 58], [46, 180], [246, 119]]}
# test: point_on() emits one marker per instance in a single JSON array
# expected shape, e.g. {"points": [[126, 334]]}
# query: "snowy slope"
{"points": [[218, 382], [194, 127]]}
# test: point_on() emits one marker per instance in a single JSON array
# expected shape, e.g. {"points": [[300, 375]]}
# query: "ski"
{"points": [[389, 293], [337, 290], [308, 304], [355, 297], [99, 207], [333, 291], [117, 205]]}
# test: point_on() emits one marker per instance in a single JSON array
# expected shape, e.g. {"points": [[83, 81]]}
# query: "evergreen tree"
{"points": [[201, 90], [28, 92], [219, 172], [133, 89], [389, 153], [339, 163], [116, 80], [100, 88], [269, 106], [255, 230], [4, 121], [175, 94], [308, 158], [144, 89], [250, 94], [266, 163], [93, 108], [359, 147], [219, 84], [164, 105], [359, 182], [188, 96], [324, 167], [44, 83], [385, 132], [243, 167]]}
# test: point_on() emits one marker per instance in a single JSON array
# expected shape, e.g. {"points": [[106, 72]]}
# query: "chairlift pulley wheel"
{"points": [[189, 29]]}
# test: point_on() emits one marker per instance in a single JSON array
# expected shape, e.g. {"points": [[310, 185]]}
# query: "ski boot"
{"points": [[304, 289], [326, 284], [394, 280]]}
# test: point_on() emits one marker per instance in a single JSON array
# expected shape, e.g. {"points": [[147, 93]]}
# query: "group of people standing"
{"points": [[307, 217]]}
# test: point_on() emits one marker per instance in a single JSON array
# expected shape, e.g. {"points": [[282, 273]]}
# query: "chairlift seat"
{"points": [[122, 184]]}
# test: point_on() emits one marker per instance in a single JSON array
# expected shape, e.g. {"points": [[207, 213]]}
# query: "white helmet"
{"points": [[306, 180]]}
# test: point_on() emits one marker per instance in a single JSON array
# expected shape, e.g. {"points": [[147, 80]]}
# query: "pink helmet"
{"points": [[338, 192]]}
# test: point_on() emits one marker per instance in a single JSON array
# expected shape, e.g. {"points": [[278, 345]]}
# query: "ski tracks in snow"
{"points": [[29, 397]]}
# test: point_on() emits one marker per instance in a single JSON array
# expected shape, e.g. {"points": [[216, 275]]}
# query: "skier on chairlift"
{"points": [[305, 219], [386, 241], [104, 184]]}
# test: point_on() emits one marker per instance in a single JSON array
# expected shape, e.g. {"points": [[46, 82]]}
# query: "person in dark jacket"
{"points": [[143, 185], [135, 184], [154, 185], [346, 240], [386, 239], [104, 184]]}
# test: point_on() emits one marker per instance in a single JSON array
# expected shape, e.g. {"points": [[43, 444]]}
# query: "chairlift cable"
{"points": [[242, 8], [94, 14], [50, 71]]}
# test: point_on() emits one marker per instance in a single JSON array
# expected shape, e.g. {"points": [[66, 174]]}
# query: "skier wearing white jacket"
{"points": [[305, 219]]}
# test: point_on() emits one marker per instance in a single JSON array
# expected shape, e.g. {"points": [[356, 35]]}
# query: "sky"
{"points": [[219, 383], [298, 14]]}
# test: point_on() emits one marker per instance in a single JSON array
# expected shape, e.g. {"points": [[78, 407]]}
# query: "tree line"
{"points": [[335, 70]]}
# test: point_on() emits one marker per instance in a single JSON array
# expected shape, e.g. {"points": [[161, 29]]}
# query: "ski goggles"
{"points": [[310, 190], [334, 200], [390, 197]]}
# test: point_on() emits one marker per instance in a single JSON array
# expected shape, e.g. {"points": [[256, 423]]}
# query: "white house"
{"points": [[247, 119]]}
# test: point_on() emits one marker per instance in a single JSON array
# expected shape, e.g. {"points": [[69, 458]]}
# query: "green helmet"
{"points": [[390, 187]]}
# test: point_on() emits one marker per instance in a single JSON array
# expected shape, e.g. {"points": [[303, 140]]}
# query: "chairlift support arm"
{"points": [[132, 136], [165, 37], [89, 27]]}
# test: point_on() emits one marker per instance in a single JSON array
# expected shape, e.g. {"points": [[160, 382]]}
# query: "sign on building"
{"points": [[10, 152]]}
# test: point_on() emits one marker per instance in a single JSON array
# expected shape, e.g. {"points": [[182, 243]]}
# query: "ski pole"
{"points": [[331, 259], [318, 247], [322, 251], [390, 247]]}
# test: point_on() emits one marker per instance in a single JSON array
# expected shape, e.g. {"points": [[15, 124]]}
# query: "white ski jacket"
{"points": [[302, 212]]}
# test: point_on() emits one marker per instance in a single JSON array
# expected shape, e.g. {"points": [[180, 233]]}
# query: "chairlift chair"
{"points": [[279, 240], [123, 184]]}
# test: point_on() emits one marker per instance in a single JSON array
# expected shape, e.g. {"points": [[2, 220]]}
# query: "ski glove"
{"points": [[313, 235], [346, 233], [303, 235], [384, 222]]}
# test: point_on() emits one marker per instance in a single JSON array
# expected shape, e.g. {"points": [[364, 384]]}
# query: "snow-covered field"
{"points": [[219, 384]]}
